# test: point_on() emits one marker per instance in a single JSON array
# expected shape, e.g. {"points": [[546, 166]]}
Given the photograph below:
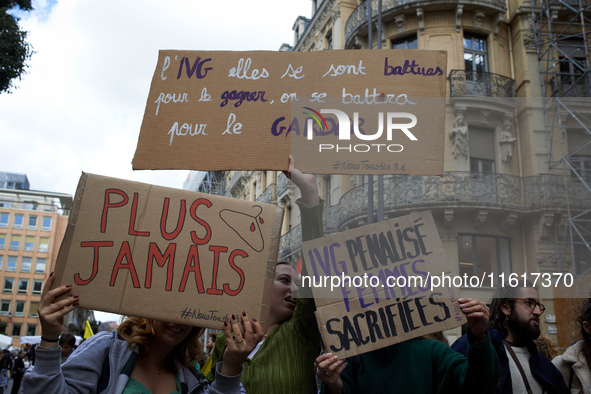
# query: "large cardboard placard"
{"points": [[394, 298], [224, 110], [174, 255]]}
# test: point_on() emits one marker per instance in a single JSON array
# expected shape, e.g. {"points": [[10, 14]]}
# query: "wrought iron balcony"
{"points": [[268, 196], [358, 19], [237, 179], [470, 83], [282, 184], [569, 85], [464, 189], [453, 189], [290, 242]]}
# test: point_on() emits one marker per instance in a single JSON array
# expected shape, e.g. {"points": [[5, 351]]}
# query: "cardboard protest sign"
{"points": [[337, 112], [375, 286], [167, 254]]}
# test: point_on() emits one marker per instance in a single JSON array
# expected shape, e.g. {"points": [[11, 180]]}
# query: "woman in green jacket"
{"points": [[283, 362]]}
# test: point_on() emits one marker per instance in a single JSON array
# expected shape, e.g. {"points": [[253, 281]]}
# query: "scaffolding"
{"points": [[562, 41], [213, 183]]}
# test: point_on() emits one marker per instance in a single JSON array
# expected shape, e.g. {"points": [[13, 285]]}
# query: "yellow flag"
{"points": [[87, 330]]}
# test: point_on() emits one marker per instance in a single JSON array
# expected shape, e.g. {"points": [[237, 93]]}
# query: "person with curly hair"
{"points": [[575, 362], [142, 356]]}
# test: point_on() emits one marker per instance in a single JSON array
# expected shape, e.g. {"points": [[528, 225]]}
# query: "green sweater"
{"points": [[422, 366], [285, 361]]}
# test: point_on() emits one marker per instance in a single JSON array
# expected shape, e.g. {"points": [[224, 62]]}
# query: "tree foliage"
{"points": [[14, 48]]}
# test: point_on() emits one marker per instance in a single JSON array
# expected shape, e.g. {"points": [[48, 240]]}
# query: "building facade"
{"points": [[32, 226], [515, 195]]}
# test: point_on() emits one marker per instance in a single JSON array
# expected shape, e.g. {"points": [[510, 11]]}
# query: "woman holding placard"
{"points": [[282, 362], [143, 356], [419, 365]]}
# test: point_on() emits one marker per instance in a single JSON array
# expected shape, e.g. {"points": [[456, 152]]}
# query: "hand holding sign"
{"points": [[328, 370], [478, 316], [305, 182], [51, 313]]}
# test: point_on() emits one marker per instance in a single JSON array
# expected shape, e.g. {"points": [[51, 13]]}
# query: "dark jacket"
{"points": [[6, 361], [19, 367], [541, 367]]}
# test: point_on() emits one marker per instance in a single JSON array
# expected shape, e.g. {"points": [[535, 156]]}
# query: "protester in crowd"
{"points": [[210, 342], [144, 355], [5, 366], [68, 344], [18, 370], [546, 347], [515, 324], [108, 326], [206, 367], [31, 352], [575, 362], [419, 365], [282, 362]]}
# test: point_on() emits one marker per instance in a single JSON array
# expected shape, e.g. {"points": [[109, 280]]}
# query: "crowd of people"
{"points": [[498, 353]]}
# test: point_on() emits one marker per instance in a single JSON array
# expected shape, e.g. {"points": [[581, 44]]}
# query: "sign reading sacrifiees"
{"points": [[372, 285]]}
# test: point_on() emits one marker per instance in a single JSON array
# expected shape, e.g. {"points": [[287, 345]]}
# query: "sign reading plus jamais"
{"points": [[337, 112]]}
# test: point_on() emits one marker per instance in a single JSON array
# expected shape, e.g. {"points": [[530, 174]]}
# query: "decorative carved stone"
{"points": [[507, 141], [448, 217], [448, 236], [480, 218], [500, 18], [400, 21], [336, 14], [528, 33], [508, 221], [459, 12], [485, 114], [546, 222], [477, 18], [549, 262], [459, 135], [421, 20]]}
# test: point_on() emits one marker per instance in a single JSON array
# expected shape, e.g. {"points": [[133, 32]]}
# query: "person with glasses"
{"points": [[514, 325]]}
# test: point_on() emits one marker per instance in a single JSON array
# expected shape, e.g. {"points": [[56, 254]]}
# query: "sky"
{"points": [[80, 105]]}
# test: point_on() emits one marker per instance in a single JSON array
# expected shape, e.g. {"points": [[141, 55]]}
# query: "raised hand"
{"points": [[305, 182], [51, 312], [239, 345], [478, 315]]}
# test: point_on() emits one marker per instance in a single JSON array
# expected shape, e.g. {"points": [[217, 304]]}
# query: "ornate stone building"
{"points": [[501, 206]]}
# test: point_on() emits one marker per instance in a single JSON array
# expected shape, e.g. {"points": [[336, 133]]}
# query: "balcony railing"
{"points": [[465, 189], [282, 184], [358, 18], [290, 242], [569, 85], [236, 179], [453, 189], [268, 196], [471, 83]]}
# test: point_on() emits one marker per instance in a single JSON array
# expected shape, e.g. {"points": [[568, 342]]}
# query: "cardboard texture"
{"points": [[226, 110], [399, 303], [168, 254]]}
